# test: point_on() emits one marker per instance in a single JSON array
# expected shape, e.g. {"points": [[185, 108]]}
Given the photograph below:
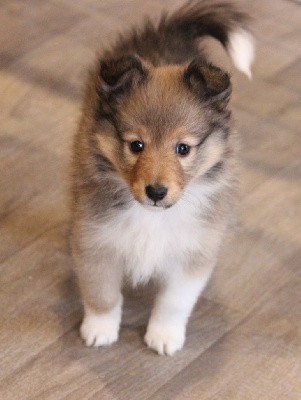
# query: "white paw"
{"points": [[166, 340], [99, 330]]}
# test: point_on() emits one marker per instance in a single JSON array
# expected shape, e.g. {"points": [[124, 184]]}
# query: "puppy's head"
{"points": [[161, 128]]}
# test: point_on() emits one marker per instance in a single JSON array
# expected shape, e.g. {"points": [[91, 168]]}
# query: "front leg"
{"points": [[99, 275], [167, 325], [101, 328]]}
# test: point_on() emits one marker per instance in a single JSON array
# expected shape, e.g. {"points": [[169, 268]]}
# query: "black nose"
{"points": [[155, 192]]}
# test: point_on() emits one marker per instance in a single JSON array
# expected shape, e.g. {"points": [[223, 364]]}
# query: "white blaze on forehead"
{"points": [[242, 51]]}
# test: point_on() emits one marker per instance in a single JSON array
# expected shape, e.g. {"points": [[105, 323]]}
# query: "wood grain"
{"points": [[244, 337]]}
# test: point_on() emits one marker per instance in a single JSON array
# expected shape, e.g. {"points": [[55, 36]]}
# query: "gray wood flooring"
{"points": [[244, 337]]}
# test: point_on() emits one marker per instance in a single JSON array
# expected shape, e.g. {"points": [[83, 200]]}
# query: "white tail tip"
{"points": [[242, 50]]}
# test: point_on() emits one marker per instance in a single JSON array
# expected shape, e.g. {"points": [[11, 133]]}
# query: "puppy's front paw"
{"points": [[99, 330], [166, 340]]}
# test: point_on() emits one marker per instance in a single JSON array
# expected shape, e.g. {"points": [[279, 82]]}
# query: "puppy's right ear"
{"points": [[208, 82], [118, 75]]}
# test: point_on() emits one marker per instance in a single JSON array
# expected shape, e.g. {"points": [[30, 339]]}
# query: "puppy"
{"points": [[154, 171]]}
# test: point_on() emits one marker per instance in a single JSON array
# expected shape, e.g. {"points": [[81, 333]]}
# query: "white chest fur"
{"points": [[149, 242]]}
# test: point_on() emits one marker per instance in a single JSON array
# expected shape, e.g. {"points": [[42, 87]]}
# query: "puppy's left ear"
{"points": [[118, 75], [208, 82]]}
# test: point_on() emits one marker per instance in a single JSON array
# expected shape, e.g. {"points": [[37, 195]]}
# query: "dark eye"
{"points": [[182, 149], [136, 146]]}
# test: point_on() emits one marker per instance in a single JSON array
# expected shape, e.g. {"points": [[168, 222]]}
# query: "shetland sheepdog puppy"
{"points": [[154, 170]]}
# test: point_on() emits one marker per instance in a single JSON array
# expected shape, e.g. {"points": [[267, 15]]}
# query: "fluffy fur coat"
{"points": [[154, 170]]}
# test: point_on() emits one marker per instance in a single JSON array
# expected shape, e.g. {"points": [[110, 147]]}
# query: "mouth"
{"points": [[164, 206], [156, 206]]}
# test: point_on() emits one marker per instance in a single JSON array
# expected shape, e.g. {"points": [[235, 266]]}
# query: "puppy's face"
{"points": [[162, 127]]}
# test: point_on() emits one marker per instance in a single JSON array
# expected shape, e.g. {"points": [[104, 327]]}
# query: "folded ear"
{"points": [[208, 82], [121, 73]]}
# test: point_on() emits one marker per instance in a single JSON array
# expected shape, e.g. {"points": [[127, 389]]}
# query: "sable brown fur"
{"points": [[153, 87], [174, 39]]}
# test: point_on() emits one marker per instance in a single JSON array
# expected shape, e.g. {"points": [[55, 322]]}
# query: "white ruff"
{"points": [[151, 242]]}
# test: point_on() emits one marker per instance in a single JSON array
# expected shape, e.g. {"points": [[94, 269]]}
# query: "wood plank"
{"points": [[265, 252], [270, 98], [256, 360], [80, 373], [17, 36], [289, 76], [37, 200], [35, 299], [266, 148]]}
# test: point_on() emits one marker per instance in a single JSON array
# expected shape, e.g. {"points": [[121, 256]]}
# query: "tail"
{"points": [[175, 38], [219, 20]]}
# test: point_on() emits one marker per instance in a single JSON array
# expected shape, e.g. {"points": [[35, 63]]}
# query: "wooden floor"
{"points": [[244, 337]]}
